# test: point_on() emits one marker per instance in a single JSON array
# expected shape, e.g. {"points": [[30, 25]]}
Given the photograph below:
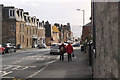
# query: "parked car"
{"points": [[2, 49], [9, 47], [42, 46], [54, 49], [76, 45]]}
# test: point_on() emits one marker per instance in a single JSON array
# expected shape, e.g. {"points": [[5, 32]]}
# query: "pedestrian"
{"points": [[62, 51], [69, 50]]}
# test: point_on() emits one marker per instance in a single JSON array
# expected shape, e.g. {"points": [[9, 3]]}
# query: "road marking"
{"points": [[8, 77], [6, 73], [18, 61], [16, 68], [7, 67], [47, 64], [25, 68]]}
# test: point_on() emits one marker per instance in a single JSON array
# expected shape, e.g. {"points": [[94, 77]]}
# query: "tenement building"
{"points": [[19, 28]]}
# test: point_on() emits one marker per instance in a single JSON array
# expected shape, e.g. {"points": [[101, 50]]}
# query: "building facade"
{"points": [[48, 33], [21, 29], [55, 34], [86, 32]]}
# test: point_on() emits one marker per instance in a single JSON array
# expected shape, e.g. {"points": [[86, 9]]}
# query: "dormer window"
{"points": [[28, 19], [32, 19], [21, 14], [25, 18], [11, 13], [18, 12]]}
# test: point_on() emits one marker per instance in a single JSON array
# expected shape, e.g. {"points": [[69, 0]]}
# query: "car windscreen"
{"points": [[56, 46], [53, 45], [4, 45]]}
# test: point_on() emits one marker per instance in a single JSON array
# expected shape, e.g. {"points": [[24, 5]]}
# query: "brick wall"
{"points": [[106, 23]]}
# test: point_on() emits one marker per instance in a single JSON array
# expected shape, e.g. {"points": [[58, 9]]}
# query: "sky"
{"points": [[56, 11]]}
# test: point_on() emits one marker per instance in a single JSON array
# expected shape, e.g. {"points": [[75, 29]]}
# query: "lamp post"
{"points": [[83, 15]]}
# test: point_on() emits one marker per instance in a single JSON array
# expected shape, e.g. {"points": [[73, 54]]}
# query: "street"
{"points": [[24, 64], [39, 63]]}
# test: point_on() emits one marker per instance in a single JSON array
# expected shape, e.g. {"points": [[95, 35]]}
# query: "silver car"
{"points": [[54, 49]]}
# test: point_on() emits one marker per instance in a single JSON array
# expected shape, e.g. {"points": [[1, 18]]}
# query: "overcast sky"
{"points": [[56, 11]]}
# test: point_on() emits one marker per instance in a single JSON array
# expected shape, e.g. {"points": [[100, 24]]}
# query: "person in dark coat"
{"points": [[69, 50], [62, 51]]}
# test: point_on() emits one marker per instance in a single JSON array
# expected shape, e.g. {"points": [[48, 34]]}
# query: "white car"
{"points": [[54, 49], [42, 46]]}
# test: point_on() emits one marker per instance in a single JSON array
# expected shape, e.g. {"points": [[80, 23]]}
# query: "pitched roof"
{"points": [[55, 29]]}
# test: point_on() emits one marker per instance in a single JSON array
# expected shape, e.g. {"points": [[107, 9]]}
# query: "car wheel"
{"points": [[14, 50], [3, 52], [8, 50], [51, 53]]}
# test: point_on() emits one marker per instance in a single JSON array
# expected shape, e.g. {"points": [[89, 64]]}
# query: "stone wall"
{"points": [[106, 23], [8, 35], [1, 7]]}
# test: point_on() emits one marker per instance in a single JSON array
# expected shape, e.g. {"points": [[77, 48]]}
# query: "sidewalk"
{"points": [[78, 68]]}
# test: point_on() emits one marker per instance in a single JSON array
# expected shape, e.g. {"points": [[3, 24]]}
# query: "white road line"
{"points": [[41, 69], [18, 61], [6, 73], [8, 77], [7, 67], [16, 68], [37, 72], [25, 68]]}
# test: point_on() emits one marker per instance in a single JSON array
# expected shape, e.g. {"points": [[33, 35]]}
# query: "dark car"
{"points": [[9, 47], [76, 45], [2, 49]]}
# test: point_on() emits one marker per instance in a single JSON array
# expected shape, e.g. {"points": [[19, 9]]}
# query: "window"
{"points": [[27, 30], [25, 18], [18, 12], [20, 39], [36, 30], [30, 30], [21, 14], [33, 30], [10, 27], [14, 27], [23, 27], [30, 41], [20, 27], [11, 13], [23, 39]]}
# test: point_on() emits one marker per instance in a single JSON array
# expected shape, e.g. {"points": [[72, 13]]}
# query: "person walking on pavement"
{"points": [[69, 50], [62, 51]]}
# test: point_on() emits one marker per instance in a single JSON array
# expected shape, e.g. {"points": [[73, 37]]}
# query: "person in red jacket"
{"points": [[69, 50]]}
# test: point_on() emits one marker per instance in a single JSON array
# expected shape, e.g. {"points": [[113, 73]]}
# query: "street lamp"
{"points": [[83, 15]]}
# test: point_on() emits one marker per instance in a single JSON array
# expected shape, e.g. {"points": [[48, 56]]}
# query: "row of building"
{"points": [[19, 28]]}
